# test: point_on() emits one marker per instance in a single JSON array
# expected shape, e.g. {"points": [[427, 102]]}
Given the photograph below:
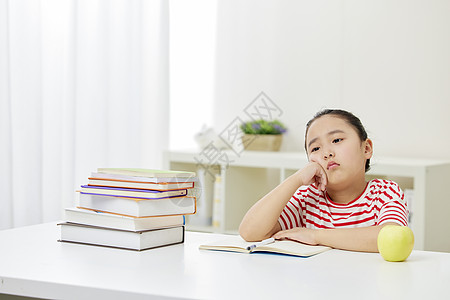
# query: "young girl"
{"points": [[329, 202]]}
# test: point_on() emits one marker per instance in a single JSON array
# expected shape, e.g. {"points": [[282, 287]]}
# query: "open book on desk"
{"points": [[235, 243]]}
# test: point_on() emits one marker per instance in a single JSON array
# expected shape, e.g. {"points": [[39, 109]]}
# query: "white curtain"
{"points": [[83, 84]]}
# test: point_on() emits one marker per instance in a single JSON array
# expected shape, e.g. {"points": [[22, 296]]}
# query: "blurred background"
{"points": [[88, 84]]}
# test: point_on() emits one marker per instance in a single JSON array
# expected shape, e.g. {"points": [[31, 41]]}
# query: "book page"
{"points": [[236, 243], [292, 248], [228, 243]]}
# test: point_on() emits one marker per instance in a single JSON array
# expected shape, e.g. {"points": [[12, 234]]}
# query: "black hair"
{"points": [[346, 116]]}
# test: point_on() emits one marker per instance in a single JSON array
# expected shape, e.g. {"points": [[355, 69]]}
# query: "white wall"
{"points": [[386, 61], [192, 33]]}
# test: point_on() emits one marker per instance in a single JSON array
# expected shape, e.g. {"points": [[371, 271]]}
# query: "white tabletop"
{"points": [[33, 263]]}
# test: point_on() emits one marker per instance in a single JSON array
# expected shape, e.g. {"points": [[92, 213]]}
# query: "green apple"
{"points": [[395, 242]]}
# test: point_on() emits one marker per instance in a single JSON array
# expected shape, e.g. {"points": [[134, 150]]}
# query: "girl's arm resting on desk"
{"points": [[261, 221], [354, 239]]}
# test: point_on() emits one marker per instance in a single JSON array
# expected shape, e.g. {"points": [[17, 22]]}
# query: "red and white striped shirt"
{"points": [[382, 201]]}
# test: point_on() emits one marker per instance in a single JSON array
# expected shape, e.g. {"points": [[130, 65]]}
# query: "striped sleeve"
{"points": [[394, 208], [290, 216]]}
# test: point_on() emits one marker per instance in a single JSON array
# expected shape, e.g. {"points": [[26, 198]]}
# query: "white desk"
{"points": [[33, 263]]}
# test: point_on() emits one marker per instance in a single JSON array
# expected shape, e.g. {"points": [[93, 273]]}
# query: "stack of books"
{"points": [[134, 209]]}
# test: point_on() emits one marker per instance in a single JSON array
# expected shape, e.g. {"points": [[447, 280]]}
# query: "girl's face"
{"points": [[334, 144]]}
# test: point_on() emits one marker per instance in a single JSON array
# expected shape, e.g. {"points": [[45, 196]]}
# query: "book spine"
{"points": [[131, 197], [131, 193], [128, 184]]}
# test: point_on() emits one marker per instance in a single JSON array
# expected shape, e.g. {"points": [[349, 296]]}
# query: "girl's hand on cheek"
{"points": [[313, 173], [299, 234]]}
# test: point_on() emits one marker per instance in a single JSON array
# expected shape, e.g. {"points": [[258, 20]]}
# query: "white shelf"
{"points": [[250, 175]]}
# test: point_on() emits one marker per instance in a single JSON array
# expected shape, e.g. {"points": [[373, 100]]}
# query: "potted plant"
{"points": [[263, 135]]}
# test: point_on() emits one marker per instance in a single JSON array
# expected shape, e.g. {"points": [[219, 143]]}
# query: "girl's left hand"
{"points": [[299, 234]]}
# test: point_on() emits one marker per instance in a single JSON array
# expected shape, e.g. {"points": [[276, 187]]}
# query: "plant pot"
{"points": [[262, 142]]}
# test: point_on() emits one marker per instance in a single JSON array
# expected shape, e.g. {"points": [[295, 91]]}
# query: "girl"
{"points": [[329, 202]]}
